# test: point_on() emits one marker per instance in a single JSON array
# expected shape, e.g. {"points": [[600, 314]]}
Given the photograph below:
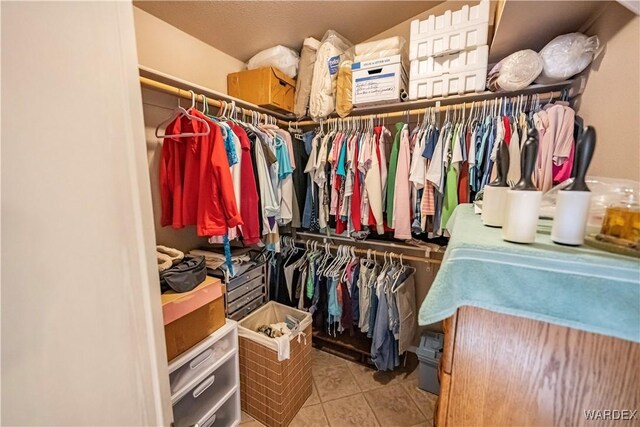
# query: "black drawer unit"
{"points": [[246, 292]]}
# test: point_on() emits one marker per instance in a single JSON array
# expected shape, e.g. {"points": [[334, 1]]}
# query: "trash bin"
{"points": [[429, 353], [272, 391]]}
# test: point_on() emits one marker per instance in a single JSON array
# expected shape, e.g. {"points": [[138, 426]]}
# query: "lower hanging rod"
{"points": [[372, 252]]}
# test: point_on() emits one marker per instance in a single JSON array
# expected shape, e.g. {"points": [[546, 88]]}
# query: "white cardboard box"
{"points": [[378, 80]]}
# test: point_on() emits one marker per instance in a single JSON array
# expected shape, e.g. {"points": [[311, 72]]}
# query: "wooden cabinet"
{"points": [[501, 370]]}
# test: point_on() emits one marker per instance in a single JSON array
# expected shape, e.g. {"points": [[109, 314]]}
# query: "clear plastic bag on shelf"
{"points": [[305, 75], [604, 192], [380, 49], [344, 100], [515, 72], [332, 51], [280, 57], [567, 55]]}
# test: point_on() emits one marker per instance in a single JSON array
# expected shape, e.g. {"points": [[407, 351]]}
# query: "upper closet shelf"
{"points": [[169, 84], [397, 109], [166, 83]]}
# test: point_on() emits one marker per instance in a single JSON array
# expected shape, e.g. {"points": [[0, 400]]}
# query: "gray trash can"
{"points": [[429, 353]]}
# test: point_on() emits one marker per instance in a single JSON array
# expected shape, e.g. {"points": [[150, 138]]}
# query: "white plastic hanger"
{"points": [[179, 111]]}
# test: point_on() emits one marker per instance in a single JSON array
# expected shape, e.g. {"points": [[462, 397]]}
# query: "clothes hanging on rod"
{"points": [[433, 166], [344, 291], [215, 171]]}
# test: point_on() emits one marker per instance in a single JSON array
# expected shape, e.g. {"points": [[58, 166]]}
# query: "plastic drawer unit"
{"points": [[460, 62], [448, 84], [451, 74], [247, 292], [450, 32], [205, 381]]}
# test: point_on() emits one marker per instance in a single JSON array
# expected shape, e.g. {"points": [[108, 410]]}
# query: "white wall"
{"points": [[611, 100], [82, 338], [165, 48]]}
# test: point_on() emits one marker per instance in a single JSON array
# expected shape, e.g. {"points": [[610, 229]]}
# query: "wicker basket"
{"points": [[273, 391]]}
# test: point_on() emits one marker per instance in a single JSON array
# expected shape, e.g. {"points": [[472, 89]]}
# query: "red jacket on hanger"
{"points": [[199, 176]]}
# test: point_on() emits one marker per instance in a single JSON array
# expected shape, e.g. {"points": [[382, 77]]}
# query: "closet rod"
{"points": [[182, 93], [420, 111], [378, 253]]}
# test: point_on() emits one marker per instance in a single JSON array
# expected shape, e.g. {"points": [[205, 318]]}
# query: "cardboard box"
{"points": [[378, 80], [190, 317], [267, 87]]}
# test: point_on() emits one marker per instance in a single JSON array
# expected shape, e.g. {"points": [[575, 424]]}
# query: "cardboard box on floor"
{"points": [[190, 317]]}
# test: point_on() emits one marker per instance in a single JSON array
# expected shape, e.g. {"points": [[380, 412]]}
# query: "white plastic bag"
{"points": [[305, 75], [380, 49], [515, 72], [325, 72], [280, 57], [567, 55]]}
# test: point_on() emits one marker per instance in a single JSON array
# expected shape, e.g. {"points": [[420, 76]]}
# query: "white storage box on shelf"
{"points": [[205, 381], [378, 80], [467, 60], [450, 32], [456, 73], [448, 84]]}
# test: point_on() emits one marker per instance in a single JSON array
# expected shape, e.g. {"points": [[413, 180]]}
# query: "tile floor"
{"points": [[347, 394]]}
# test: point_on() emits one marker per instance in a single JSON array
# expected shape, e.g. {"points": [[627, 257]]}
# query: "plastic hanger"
{"points": [[180, 111]]}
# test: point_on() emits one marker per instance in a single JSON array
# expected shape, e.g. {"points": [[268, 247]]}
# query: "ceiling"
{"points": [[516, 30], [243, 28]]}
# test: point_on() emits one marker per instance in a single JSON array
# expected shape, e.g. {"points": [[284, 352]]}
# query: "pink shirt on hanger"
{"points": [[402, 193]]}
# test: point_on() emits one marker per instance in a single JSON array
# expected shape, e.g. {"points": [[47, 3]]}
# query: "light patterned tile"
{"points": [[253, 423], [310, 416], [350, 411], [245, 418], [371, 379], [322, 358], [393, 406], [334, 382], [314, 399], [424, 400]]}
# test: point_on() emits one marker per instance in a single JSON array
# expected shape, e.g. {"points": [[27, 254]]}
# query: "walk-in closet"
{"points": [[320, 213]]}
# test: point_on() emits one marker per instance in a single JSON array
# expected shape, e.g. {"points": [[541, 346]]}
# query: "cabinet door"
{"points": [[449, 329], [510, 371]]}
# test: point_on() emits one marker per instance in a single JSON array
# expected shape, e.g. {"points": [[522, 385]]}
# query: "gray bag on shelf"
{"points": [[184, 276]]}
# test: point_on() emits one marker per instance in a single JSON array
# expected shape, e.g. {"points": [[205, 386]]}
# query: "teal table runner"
{"points": [[578, 287]]}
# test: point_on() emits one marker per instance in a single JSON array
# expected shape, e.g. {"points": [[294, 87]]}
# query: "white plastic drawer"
{"points": [[227, 415], [453, 30], [202, 363], [449, 42], [467, 60], [201, 402], [448, 84]]}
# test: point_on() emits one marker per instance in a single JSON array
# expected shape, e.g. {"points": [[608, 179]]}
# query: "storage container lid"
{"points": [[379, 62], [430, 346], [176, 305]]}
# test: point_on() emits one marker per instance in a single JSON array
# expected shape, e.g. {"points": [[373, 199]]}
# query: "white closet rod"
{"points": [[378, 253], [439, 108], [182, 93]]}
